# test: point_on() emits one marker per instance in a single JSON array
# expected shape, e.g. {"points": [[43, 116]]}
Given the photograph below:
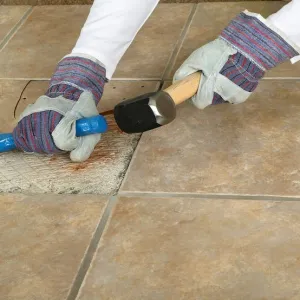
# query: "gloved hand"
{"points": [[233, 64], [48, 125]]}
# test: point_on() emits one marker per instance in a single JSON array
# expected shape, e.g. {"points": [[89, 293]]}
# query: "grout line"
{"points": [[139, 79], [127, 169], [178, 45], [91, 251], [161, 85], [25, 78], [15, 29], [135, 79], [136, 150], [209, 196], [130, 165], [281, 78], [113, 79]]}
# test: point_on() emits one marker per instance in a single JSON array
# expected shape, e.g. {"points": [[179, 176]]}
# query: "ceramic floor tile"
{"points": [[9, 17], [42, 41], [101, 174], [211, 18], [24, 56], [251, 148], [197, 249], [149, 53], [43, 241]]}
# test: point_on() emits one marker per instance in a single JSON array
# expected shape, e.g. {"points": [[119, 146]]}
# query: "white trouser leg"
{"points": [[110, 28], [287, 20]]}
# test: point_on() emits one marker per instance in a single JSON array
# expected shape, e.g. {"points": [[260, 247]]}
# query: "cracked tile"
{"points": [[101, 174]]}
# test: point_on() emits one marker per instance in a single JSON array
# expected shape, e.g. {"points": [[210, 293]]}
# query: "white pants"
{"points": [[110, 29], [113, 24], [287, 20]]}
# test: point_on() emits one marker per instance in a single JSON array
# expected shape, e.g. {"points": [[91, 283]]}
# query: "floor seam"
{"points": [[135, 79], [281, 78], [161, 85], [208, 196], [78, 282], [130, 165], [111, 80], [24, 78], [15, 29], [127, 169], [179, 43]]}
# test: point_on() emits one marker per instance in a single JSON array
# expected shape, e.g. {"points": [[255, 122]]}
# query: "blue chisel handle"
{"points": [[84, 127]]}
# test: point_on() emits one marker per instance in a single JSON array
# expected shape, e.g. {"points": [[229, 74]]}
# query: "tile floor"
{"points": [[209, 206]]}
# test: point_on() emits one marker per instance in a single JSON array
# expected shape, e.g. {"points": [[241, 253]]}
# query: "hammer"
{"points": [[153, 110]]}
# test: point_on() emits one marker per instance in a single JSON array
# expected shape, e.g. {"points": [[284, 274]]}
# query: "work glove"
{"points": [[233, 64], [48, 125]]}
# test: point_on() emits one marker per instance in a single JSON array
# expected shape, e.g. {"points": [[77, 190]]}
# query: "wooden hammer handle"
{"points": [[184, 89]]}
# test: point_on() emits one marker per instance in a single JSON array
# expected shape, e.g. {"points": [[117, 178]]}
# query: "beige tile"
{"points": [[9, 17], [251, 148], [24, 56], [42, 41], [211, 18], [198, 249], [101, 174], [150, 52], [43, 241]]}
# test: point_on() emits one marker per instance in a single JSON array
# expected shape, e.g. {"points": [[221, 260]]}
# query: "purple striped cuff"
{"points": [[217, 99], [243, 72], [74, 75], [33, 133], [256, 41]]}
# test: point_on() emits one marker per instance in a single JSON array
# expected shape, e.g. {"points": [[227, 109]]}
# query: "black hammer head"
{"points": [[145, 112]]}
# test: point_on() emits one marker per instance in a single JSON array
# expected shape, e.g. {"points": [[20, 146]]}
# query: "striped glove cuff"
{"points": [[75, 74], [251, 35]]}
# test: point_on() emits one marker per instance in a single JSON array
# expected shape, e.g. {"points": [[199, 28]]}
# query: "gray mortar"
{"points": [[20, 172]]}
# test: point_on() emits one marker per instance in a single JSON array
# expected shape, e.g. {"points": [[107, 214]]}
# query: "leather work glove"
{"points": [[48, 125], [233, 64]]}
